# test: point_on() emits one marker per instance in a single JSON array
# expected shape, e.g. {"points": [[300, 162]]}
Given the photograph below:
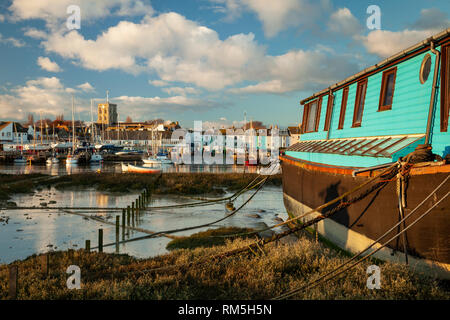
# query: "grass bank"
{"points": [[262, 276], [11, 184], [207, 239]]}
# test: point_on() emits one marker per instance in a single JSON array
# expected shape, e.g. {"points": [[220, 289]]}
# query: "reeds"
{"points": [[250, 276]]}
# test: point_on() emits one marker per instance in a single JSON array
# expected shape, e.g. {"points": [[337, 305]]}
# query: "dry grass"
{"points": [[263, 276], [167, 183]]}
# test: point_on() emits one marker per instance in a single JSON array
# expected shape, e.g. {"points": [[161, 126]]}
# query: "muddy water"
{"points": [[62, 169], [25, 232]]}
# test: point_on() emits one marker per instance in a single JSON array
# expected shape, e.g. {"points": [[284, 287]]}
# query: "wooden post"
{"points": [[132, 208], [117, 233], [100, 240], [13, 277], [128, 215], [45, 259], [123, 224], [88, 245]]}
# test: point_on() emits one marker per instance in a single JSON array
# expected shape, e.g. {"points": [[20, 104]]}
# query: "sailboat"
{"points": [[95, 157], [53, 159], [161, 157], [71, 159]]}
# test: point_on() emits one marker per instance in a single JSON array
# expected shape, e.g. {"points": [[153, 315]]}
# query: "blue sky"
{"points": [[209, 60]]}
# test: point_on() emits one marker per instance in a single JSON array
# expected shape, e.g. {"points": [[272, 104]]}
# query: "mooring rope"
{"points": [[286, 233], [122, 226], [165, 232], [343, 196], [249, 187], [322, 279]]}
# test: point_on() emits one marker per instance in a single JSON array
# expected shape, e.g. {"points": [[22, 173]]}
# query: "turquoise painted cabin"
{"points": [[395, 95]]}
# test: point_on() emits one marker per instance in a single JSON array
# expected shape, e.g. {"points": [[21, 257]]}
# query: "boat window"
{"points": [[343, 107], [328, 115], [359, 103], [387, 89], [310, 115], [445, 87], [425, 68]]}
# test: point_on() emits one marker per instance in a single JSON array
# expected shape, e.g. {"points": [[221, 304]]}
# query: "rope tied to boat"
{"points": [[422, 153]]}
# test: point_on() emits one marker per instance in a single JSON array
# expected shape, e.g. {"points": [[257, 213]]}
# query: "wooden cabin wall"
{"points": [[408, 115]]}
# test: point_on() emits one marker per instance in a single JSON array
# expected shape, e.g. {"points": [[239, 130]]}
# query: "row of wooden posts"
{"points": [[129, 215]]}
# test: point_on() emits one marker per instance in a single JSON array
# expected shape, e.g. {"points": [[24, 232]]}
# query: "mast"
{"points": [[92, 125], [40, 121], [73, 126]]}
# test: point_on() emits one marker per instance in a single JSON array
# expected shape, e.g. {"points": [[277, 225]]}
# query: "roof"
{"points": [[384, 146], [294, 130], [399, 55], [4, 124]]}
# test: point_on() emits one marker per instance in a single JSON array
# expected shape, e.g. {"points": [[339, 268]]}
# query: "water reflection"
{"points": [[115, 167], [37, 231]]}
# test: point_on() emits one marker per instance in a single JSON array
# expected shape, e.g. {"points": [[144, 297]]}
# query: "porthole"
{"points": [[425, 69]]}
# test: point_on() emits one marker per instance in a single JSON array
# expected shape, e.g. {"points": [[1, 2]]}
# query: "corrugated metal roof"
{"points": [[366, 146]]}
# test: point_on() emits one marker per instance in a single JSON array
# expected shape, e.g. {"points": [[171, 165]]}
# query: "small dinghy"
{"points": [[137, 169]]}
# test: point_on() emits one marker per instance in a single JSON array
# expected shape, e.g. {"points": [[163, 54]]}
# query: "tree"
{"points": [[30, 118]]}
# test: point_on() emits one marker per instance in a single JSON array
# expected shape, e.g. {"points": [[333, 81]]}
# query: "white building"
{"points": [[13, 133]]}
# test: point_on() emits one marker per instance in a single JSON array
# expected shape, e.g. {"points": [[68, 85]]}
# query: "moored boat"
{"points": [[96, 158], [160, 159], [20, 160], [70, 160], [138, 169], [357, 127]]}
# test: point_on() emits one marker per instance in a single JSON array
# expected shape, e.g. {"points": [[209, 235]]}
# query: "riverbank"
{"points": [[166, 183], [264, 274]]}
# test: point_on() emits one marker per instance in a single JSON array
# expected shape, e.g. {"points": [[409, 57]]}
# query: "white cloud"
{"points": [[301, 70], [181, 50], [181, 91], [344, 22], [13, 41], [431, 18], [149, 107], [86, 87], [175, 48], [385, 43], [35, 33], [158, 83], [46, 83], [46, 95], [49, 96], [48, 65], [55, 11], [275, 15]]}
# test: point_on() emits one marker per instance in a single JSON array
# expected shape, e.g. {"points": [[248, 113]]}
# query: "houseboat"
{"points": [[356, 128]]}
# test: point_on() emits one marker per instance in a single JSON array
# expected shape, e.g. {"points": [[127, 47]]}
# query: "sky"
{"points": [[217, 61]]}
